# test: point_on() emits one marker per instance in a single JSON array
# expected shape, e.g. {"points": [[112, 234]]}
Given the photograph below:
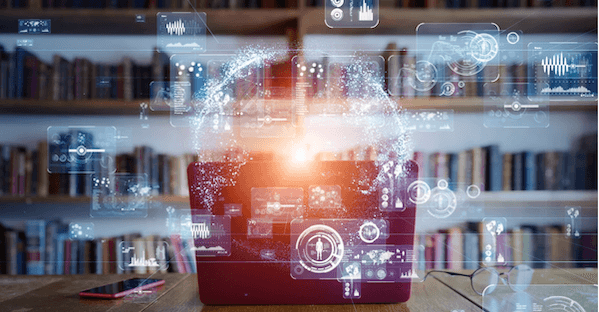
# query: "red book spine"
{"points": [[67, 257], [176, 241]]}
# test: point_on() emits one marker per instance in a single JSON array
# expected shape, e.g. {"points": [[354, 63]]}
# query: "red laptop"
{"points": [[318, 233]]}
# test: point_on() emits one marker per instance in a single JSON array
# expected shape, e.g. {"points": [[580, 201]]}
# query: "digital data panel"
{"points": [[120, 195], [563, 71], [348, 249], [211, 235], [81, 149], [470, 51], [351, 13], [179, 32], [508, 105]]}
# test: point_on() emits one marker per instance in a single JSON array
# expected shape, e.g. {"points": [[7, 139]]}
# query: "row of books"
{"points": [[23, 172], [46, 247], [536, 246], [553, 170], [24, 75], [152, 4], [487, 166]]}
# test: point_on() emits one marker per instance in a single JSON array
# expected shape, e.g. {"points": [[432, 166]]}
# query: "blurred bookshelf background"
{"points": [[88, 75]]}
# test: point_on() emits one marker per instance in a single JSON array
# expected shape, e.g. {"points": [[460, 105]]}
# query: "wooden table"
{"points": [[180, 293]]}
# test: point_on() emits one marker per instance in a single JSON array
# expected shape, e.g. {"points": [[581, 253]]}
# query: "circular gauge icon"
{"points": [[369, 232], [484, 47], [381, 273], [442, 203], [337, 14], [320, 248], [447, 89], [419, 192], [337, 3], [473, 191], [513, 38], [561, 303]]}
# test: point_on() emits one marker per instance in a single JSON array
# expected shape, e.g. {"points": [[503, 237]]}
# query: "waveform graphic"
{"points": [[558, 64], [200, 230], [176, 27], [559, 89]]}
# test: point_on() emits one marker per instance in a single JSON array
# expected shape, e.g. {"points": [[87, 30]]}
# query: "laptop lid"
{"points": [[312, 233]]}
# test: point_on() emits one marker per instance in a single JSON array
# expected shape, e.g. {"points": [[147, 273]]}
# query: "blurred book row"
{"points": [[497, 171], [24, 76], [24, 172], [536, 246], [51, 247]]}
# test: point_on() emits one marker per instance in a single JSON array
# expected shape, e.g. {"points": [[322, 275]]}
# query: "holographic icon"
{"points": [[508, 105], [390, 197], [120, 195], [212, 235], [351, 13], [181, 32], [365, 13], [139, 254], [494, 241], [564, 71], [337, 14], [81, 231], [573, 227], [81, 149]]}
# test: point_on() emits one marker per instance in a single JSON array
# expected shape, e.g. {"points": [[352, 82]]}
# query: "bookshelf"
{"points": [[303, 21]]}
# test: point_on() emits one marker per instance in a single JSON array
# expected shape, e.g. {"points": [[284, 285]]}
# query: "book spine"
{"points": [[176, 241], [517, 172], [36, 246], [493, 169], [530, 168], [507, 172]]}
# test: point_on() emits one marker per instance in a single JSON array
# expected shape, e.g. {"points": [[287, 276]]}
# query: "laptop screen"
{"points": [[343, 227]]}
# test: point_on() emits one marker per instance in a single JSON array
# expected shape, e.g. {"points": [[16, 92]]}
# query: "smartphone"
{"points": [[122, 288]]}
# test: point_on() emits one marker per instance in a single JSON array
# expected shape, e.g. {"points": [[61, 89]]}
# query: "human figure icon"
{"points": [[319, 248]]}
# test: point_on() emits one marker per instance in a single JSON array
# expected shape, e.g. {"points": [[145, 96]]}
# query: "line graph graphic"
{"points": [[176, 28]]}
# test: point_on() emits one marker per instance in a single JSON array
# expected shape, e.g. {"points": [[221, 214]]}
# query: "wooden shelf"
{"points": [[121, 107], [310, 20], [488, 197]]}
